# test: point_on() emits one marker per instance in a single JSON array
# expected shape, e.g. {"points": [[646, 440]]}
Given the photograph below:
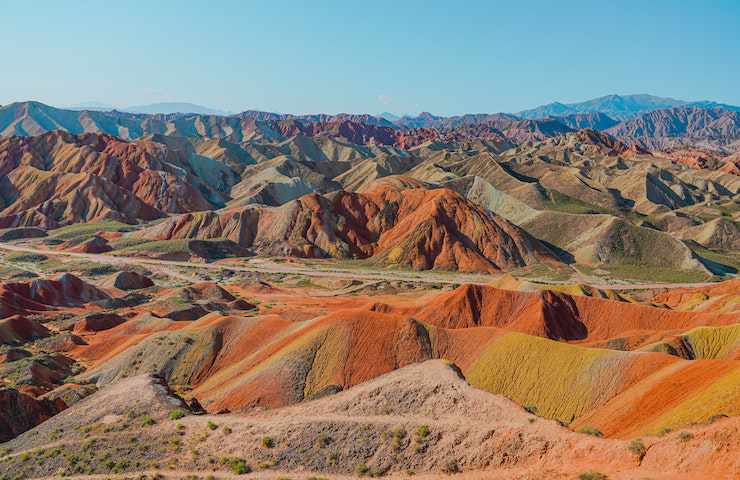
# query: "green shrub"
{"points": [[26, 257], [239, 466], [531, 409], [423, 431], [592, 475], [211, 425], [591, 431], [177, 414], [397, 436], [332, 457], [147, 421], [361, 469], [685, 436], [637, 447], [267, 442]]}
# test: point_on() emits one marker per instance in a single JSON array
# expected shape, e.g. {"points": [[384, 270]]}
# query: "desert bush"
{"points": [[361, 469], [332, 457], [397, 436], [685, 436], [637, 447], [211, 425], [26, 257], [237, 465], [591, 431], [147, 421], [592, 475], [268, 442], [530, 409], [423, 431], [177, 414]]}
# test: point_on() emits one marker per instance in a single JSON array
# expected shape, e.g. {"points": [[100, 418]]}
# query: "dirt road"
{"points": [[262, 265]]}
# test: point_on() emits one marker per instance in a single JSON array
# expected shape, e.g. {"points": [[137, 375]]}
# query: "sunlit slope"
{"points": [[702, 342]]}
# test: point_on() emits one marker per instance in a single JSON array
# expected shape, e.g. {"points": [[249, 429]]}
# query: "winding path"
{"points": [[262, 265]]}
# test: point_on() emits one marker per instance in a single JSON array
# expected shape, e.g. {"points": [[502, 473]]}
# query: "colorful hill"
{"points": [[414, 227]]}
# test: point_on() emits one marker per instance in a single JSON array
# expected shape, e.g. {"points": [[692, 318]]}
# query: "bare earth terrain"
{"points": [[548, 294]]}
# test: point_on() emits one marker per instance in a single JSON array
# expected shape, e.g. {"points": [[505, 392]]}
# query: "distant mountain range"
{"points": [[618, 107], [611, 109], [691, 124], [153, 108]]}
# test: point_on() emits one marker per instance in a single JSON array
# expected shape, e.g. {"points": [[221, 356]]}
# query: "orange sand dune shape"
{"points": [[558, 316], [270, 361], [722, 297], [685, 392], [107, 344], [343, 348], [353, 346], [499, 339]]}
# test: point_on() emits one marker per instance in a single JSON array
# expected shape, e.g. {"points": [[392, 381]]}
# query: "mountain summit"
{"points": [[619, 107]]}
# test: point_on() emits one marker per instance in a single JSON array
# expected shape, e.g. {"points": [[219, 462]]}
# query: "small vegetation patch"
{"points": [[267, 442], [591, 431], [238, 466], [88, 229], [637, 447], [22, 257], [177, 414], [685, 436], [592, 475], [397, 437], [361, 469], [157, 246]]}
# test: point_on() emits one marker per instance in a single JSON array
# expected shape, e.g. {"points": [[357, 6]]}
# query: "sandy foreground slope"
{"points": [[421, 419]]}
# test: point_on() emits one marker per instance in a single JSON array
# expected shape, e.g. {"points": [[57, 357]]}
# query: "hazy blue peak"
{"points": [[175, 107]]}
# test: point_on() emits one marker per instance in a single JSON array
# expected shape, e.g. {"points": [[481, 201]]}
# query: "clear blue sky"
{"points": [[367, 56]]}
